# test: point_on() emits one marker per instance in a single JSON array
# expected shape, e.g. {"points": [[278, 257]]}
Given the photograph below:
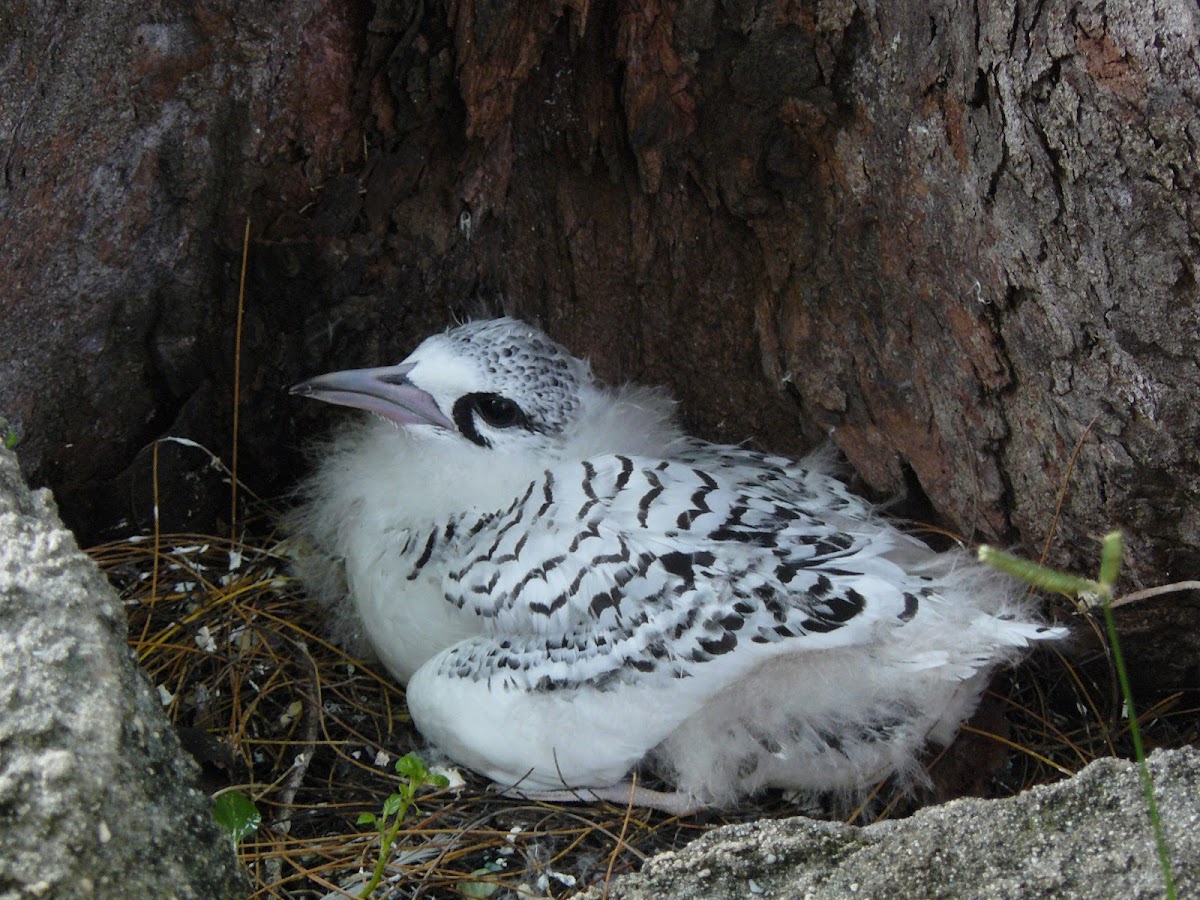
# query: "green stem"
{"points": [[1102, 589], [386, 839], [1135, 732]]}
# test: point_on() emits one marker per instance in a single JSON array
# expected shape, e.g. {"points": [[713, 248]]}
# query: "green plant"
{"points": [[414, 775], [481, 889], [10, 434], [1097, 593], [238, 815]]}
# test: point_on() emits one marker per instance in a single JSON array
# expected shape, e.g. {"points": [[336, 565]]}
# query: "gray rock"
{"points": [[96, 798], [1087, 837]]}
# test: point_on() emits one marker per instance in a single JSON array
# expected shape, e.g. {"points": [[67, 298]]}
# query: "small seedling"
{"points": [[482, 889], [414, 775], [10, 434], [1097, 593], [238, 815]]}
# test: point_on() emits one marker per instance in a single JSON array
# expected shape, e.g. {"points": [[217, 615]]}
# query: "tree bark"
{"points": [[959, 238]]}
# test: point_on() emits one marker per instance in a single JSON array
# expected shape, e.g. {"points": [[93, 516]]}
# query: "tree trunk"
{"points": [[959, 238]]}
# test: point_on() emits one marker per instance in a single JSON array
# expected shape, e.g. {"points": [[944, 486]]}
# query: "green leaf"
{"points": [[365, 819], [10, 433], [438, 781], [479, 888], [237, 814], [392, 804], [1039, 576], [1110, 560], [412, 767]]}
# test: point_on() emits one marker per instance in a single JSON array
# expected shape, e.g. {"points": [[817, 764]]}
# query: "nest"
{"points": [[272, 710]]}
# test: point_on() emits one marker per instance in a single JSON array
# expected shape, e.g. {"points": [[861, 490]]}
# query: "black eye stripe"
{"points": [[493, 409]]}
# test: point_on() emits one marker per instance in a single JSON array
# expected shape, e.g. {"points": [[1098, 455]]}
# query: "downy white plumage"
{"points": [[572, 588]]}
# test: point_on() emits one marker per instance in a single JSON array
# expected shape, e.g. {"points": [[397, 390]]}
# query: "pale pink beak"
{"points": [[385, 391]]}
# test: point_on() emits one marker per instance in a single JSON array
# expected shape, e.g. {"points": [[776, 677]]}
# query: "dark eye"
{"points": [[497, 411]]}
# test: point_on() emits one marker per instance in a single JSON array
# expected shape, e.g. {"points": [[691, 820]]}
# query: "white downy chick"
{"points": [[572, 588]]}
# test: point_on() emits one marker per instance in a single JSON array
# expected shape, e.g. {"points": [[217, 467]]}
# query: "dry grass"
{"points": [[271, 709]]}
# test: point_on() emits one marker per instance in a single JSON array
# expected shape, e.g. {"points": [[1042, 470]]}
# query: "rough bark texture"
{"points": [[961, 238], [135, 139], [97, 800]]}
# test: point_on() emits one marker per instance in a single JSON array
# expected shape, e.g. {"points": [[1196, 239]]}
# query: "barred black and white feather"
{"points": [[572, 588]]}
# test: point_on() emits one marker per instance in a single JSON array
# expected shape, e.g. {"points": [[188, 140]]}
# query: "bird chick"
{"points": [[572, 588]]}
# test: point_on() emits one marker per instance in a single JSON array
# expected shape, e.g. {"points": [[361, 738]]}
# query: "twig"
{"points": [[299, 769], [1062, 493], [1157, 592], [612, 860], [237, 381], [312, 714]]}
